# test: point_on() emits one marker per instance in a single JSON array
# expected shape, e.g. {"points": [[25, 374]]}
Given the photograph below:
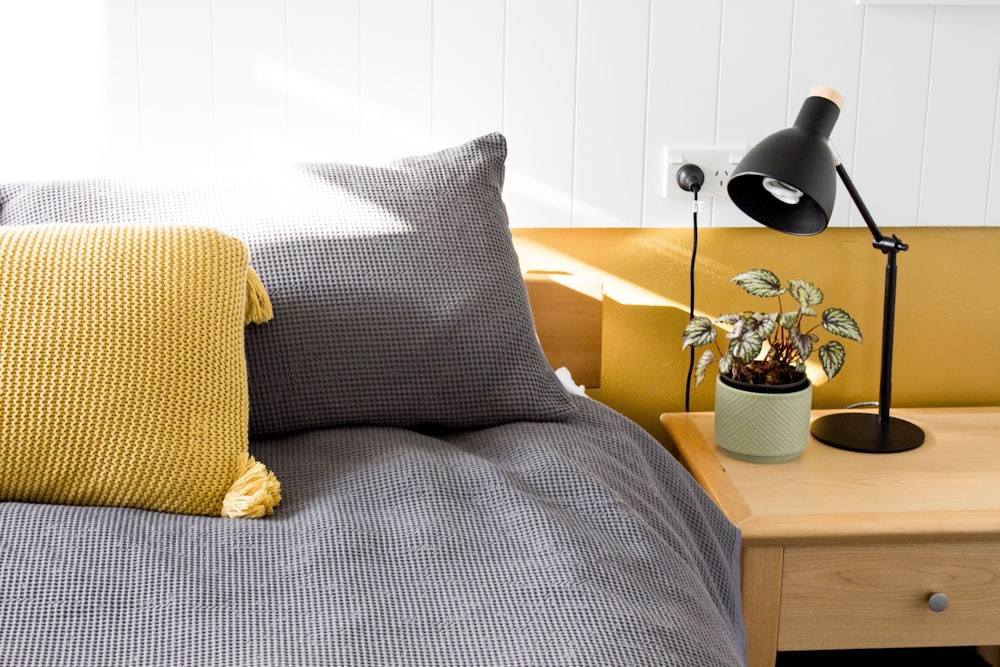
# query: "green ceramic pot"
{"points": [[762, 424]]}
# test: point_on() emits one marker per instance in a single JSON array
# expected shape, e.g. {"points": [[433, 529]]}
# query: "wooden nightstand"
{"points": [[846, 550]]}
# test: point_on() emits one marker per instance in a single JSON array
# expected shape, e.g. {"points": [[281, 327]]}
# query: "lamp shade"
{"points": [[788, 181]]}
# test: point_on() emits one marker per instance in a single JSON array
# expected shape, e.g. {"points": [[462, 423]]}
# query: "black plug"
{"points": [[690, 177]]}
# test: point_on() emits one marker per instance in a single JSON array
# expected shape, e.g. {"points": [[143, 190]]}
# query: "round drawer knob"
{"points": [[937, 602]]}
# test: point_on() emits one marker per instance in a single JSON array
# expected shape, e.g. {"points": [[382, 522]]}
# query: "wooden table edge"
{"points": [[704, 465]]}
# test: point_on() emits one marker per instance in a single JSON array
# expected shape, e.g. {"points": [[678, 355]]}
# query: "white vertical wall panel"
{"points": [[324, 79], [683, 97], [892, 112], [993, 196], [538, 117], [249, 79], [612, 68], [125, 137], [826, 50], [174, 54], [467, 85], [754, 73], [53, 63], [588, 92], [754, 80], [961, 116], [396, 77]]}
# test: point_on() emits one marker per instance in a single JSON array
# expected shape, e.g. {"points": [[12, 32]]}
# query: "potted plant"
{"points": [[763, 395]]}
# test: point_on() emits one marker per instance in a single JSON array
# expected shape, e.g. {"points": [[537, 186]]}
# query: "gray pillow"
{"points": [[397, 294]]}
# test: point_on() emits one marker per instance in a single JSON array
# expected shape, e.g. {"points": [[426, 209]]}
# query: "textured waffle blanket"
{"points": [[575, 543]]}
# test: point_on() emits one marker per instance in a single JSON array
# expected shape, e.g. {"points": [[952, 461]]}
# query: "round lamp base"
{"points": [[862, 432]]}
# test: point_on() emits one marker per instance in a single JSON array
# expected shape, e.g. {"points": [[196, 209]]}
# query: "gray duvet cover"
{"points": [[562, 543]]}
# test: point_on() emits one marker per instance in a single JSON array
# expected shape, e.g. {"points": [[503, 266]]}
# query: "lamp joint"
{"points": [[890, 244]]}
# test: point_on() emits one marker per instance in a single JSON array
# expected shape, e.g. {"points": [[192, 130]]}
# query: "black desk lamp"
{"points": [[788, 182]]}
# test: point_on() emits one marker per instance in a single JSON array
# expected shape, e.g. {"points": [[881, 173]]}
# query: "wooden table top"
{"points": [[950, 486]]}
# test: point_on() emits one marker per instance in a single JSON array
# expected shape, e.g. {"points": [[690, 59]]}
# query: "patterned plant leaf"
{"points": [[760, 325], [745, 344], [749, 333], [704, 362], [787, 320], [802, 342], [737, 330], [760, 282], [698, 332], [839, 323], [806, 294], [766, 324], [832, 356], [726, 364]]}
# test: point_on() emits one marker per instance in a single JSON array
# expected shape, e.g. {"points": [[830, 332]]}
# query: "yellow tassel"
{"points": [[258, 303], [254, 493]]}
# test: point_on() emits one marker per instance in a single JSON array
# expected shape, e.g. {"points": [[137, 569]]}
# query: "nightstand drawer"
{"points": [[878, 595]]}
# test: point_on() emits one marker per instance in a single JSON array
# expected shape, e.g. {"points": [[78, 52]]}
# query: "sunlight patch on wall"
{"points": [[536, 256]]}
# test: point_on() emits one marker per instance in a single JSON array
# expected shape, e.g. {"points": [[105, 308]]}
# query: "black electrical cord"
{"points": [[690, 177], [694, 255]]}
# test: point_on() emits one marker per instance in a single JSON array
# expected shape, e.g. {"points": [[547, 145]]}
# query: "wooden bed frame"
{"points": [[569, 316]]}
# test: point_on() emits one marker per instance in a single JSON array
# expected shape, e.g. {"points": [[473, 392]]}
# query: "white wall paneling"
{"points": [[611, 83], [826, 49], [538, 118], [961, 116], [928, 2], [753, 80], [892, 112], [683, 99], [396, 76], [55, 102], [323, 70], [589, 93], [175, 93], [249, 77], [993, 197], [124, 144], [468, 60]]}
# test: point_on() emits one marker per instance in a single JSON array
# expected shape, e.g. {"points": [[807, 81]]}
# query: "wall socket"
{"points": [[717, 162]]}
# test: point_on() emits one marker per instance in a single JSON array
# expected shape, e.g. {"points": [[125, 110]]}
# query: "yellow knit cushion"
{"points": [[122, 371]]}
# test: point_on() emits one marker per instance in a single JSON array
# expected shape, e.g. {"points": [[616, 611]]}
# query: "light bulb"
{"points": [[783, 192]]}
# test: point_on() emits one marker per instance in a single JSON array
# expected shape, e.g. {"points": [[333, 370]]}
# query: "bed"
{"points": [[444, 498]]}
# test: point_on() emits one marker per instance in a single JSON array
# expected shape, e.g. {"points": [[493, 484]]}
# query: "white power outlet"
{"points": [[717, 162]]}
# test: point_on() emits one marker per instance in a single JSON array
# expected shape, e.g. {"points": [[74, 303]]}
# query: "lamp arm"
{"points": [[890, 246], [882, 242]]}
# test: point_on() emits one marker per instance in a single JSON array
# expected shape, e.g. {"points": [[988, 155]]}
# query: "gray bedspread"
{"points": [[576, 543]]}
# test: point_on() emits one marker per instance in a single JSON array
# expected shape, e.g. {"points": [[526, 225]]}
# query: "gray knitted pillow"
{"points": [[397, 295]]}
